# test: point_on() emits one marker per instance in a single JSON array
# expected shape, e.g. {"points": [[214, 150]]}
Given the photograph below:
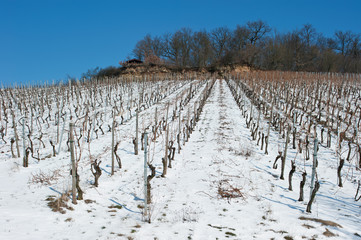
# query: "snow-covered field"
{"points": [[221, 186]]}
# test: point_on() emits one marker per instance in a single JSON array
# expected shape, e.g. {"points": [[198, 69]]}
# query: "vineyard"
{"points": [[262, 155]]}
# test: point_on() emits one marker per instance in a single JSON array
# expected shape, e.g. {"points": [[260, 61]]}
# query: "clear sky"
{"points": [[46, 40]]}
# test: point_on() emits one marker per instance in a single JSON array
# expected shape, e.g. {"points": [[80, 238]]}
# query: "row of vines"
{"points": [[74, 120], [306, 111]]}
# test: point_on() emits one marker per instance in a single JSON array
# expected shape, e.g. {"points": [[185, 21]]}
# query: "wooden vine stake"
{"points": [[61, 136], [166, 116], [25, 160], [179, 131], [156, 116], [73, 167], [285, 154], [145, 174], [112, 173], [58, 125], [267, 138], [164, 160], [136, 133], [314, 165], [16, 135]]}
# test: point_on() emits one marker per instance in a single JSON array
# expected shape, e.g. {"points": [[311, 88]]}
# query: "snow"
{"points": [[186, 203]]}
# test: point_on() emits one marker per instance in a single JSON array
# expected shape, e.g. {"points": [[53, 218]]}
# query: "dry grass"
{"points": [[328, 233], [307, 226], [88, 201], [280, 231], [58, 204], [115, 206], [323, 222]]}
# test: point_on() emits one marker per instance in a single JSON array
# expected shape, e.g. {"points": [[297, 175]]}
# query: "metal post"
{"points": [[314, 165], [145, 173], [73, 167]]}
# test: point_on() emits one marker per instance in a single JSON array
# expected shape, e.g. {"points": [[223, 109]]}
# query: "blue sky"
{"points": [[50, 39]]}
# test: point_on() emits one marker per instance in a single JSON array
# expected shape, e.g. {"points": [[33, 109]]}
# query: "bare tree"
{"points": [[343, 41], [178, 47], [257, 30], [202, 51], [308, 34], [149, 48], [221, 38]]}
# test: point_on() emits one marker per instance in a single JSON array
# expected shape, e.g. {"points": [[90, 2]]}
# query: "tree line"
{"points": [[257, 45]]}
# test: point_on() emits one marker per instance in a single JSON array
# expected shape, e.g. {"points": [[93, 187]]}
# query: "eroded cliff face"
{"points": [[164, 69]]}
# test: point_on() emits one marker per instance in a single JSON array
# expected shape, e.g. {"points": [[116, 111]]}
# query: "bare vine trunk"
{"points": [[96, 171], [342, 161], [313, 195], [149, 178], [302, 184], [290, 175]]}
